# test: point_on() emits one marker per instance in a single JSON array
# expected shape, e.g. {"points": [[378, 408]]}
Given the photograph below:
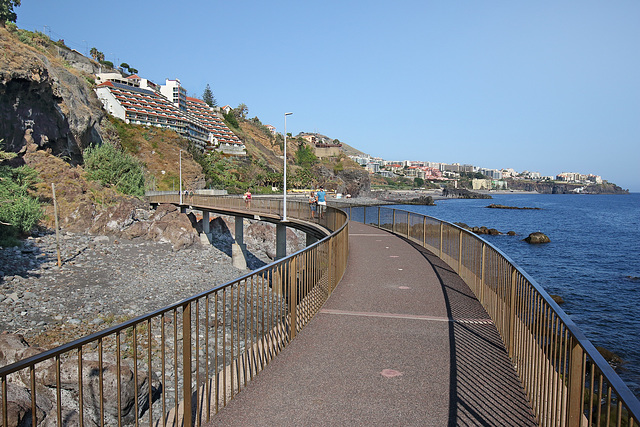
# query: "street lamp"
{"points": [[181, 177], [284, 194]]}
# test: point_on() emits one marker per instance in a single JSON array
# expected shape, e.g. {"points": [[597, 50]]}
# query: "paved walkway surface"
{"points": [[401, 342]]}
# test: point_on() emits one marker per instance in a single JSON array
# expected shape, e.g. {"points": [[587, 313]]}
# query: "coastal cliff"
{"points": [[564, 188], [46, 98]]}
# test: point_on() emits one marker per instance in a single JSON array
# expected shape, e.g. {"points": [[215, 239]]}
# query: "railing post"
{"points": [[424, 231], [512, 311], [408, 218], [393, 222], [441, 237], [482, 278], [186, 363], [575, 386], [330, 245], [293, 296], [378, 216], [459, 251], [364, 215]]}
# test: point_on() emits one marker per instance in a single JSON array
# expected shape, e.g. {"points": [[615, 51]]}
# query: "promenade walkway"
{"points": [[401, 342]]}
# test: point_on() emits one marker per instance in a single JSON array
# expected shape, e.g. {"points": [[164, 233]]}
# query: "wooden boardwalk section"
{"points": [[402, 341]]}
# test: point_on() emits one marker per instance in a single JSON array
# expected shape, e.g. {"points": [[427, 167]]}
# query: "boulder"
{"points": [[19, 412], [511, 233], [536, 238], [91, 387], [557, 298], [13, 347], [613, 359]]}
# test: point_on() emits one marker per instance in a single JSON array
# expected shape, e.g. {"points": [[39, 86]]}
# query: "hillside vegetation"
{"points": [[60, 134]]}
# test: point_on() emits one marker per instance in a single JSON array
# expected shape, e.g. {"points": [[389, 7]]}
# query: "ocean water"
{"points": [[593, 260]]}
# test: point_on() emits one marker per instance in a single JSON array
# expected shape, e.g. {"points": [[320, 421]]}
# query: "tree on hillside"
{"points": [[95, 54], [207, 96], [6, 11], [130, 69], [241, 111]]}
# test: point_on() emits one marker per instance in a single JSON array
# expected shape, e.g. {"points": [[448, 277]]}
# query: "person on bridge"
{"points": [[321, 195], [247, 199], [313, 204]]}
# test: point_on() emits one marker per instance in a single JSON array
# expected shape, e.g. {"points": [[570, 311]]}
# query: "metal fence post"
{"points": [[293, 296], [512, 311], [408, 221], [364, 215], [424, 231], [482, 278], [378, 216], [186, 363], [459, 251], [393, 222], [575, 386], [441, 238]]}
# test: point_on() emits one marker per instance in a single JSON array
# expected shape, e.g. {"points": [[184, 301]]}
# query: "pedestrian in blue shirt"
{"points": [[322, 201]]}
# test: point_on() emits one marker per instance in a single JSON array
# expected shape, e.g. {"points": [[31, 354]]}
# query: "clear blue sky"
{"points": [[548, 86]]}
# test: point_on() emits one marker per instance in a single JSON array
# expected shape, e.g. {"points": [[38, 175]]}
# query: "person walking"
{"points": [[247, 199], [313, 203], [321, 196]]}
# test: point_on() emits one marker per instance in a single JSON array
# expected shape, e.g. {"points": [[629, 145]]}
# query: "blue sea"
{"points": [[592, 262]]}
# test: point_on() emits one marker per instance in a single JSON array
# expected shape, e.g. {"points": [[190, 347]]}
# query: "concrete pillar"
{"points": [[237, 257], [205, 222], [238, 248], [311, 239], [239, 234], [281, 241]]}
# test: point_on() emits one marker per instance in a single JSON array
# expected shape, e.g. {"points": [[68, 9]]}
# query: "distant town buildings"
{"points": [[140, 101], [433, 172]]}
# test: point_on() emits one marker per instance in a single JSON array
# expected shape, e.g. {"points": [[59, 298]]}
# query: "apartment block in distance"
{"points": [[140, 101]]}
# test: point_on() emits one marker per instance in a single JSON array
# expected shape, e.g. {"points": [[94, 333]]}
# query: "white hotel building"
{"points": [[140, 101]]}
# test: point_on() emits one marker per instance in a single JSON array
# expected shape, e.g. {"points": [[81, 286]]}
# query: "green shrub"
{"points": [[305, 156], [230, 120], [19, 211], [111, 167]]}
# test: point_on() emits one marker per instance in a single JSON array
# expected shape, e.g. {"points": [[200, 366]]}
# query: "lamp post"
{"points": [[181, 177], [284, 193]]}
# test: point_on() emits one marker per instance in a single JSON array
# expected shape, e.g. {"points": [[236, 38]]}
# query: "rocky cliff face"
{"points": [[559, 188], [45, 100]]}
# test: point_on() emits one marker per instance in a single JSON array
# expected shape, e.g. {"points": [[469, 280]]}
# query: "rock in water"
{"points": [[537, 237]]}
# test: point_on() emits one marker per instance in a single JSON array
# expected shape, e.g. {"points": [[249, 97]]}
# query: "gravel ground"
{"points": [[102, 281]]}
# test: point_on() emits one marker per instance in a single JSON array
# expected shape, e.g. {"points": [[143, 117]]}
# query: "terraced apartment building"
{"points": [[140, 101]]}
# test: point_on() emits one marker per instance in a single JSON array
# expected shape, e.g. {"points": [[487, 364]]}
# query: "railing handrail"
{"points": [[622, 390]]}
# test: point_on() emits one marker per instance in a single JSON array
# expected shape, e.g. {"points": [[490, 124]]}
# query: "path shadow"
{"points": [[482, 377]]}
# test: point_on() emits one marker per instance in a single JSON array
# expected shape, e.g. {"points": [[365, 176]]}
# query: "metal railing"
{"points": [[567, 381], [180, 364]]}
